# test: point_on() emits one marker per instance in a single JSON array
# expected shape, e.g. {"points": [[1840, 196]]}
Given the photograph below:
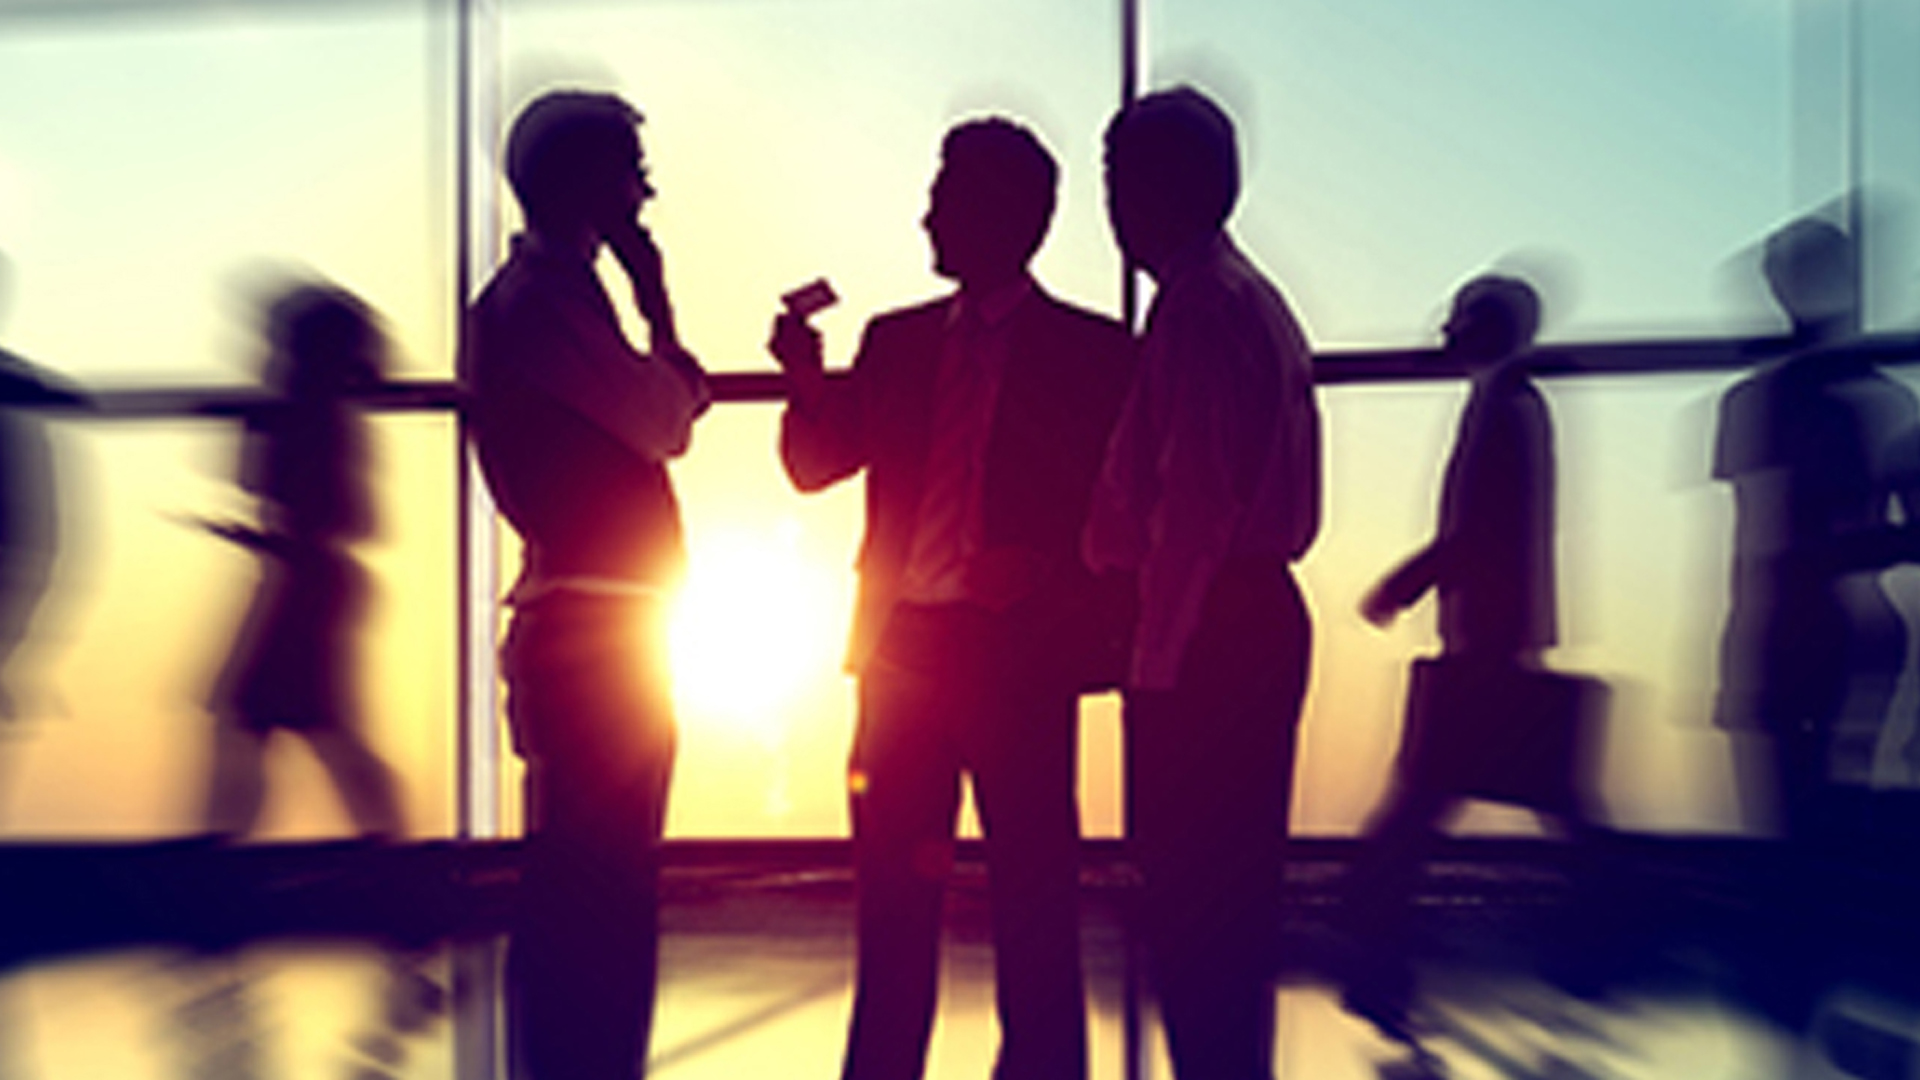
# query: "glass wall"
{"points": [[1622, 152], [166, 171], [162, 166], [158, 162], [791, 141]]}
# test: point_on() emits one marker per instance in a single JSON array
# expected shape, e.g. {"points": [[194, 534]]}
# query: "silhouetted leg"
{"points": [[1024, 780], [582, 962], [1797, 927], [366, 785], [1209, 780], [1376, 903], [237, 786], [905, 793]]}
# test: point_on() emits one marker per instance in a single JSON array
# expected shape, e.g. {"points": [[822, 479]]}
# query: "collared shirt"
{"points": [[574, 427], [973, 362], [1217, 453], [563, 336]]}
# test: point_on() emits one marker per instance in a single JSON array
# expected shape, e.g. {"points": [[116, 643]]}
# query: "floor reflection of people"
{"points": [[293, 668]]}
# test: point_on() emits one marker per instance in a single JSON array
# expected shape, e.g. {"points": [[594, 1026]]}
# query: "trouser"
{"points": [[1209, 786], [945, 697], [591, 716]]}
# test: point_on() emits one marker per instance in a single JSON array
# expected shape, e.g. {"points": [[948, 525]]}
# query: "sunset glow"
{"points": [[754, 623]]}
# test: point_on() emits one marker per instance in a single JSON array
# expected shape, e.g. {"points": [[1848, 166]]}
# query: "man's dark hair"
{"points": [[1812, 267], [561, 137], [1009, 167], [1504, 312], [1181, 146], [324, 340]]}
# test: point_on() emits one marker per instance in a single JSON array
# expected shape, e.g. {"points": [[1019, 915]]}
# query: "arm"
{"points": [[1403, 586], [639, 256], [821, 439], [1194, 363], [563, 341]]}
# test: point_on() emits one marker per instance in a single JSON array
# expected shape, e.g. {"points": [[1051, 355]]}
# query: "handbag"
{"points": [[1494, 729]]}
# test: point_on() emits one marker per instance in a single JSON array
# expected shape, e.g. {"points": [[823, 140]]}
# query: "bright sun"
{"points": [[755, 623]]}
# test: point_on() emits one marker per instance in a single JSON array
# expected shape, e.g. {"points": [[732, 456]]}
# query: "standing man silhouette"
{"points": [[1822, 451], [574, 427], [1210, 491], [1818, 447], [978, 419]]}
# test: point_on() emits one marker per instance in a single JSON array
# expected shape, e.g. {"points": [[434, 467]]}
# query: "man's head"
{"points": [[574, 161], [324, 340], [1494, 317], [1173, 173], [1810, 266], [991, 202]]}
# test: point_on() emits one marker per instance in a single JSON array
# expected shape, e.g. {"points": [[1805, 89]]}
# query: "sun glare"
{"points": [[755, 623]]}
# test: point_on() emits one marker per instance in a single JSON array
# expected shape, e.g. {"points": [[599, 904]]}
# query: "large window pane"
{"points": [[1624, 150], [153, 167], [790, 141], [1889, 121]]}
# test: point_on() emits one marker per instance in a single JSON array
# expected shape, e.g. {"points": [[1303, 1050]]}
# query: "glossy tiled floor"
{"points": [[755, 984]]}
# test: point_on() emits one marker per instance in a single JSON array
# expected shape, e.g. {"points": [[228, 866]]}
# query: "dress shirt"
{"points": [[1217, 453], [545, 328], [973, 362], [563, 337]]}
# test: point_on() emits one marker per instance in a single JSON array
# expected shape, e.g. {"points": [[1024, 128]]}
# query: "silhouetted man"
{"points": [[1491, 558], [978, 419], [1817, 447], [574, 427], [1820, 447], [1211, 490]]}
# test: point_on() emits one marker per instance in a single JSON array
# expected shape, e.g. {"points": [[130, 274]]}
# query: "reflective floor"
{"points": [[756, 984]]}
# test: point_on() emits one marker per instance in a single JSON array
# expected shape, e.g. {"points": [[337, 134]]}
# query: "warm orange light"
{"points": [[754, 624]]}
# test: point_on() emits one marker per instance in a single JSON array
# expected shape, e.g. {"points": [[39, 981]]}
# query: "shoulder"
{"points": [[1072, 318], [929, 315], [1071, 328], [906, 329]]}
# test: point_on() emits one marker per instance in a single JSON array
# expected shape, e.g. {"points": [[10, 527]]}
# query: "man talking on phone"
{"points": [[574, 426]]}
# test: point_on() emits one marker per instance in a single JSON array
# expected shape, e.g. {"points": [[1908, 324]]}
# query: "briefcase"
{"points": [[1495, 730]]}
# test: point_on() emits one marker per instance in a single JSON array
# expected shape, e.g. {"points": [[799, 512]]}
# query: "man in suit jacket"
{"points": [[979, 419]]}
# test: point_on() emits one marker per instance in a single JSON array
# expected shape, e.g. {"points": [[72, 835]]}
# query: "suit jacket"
{"points": [[1496, 529], [1067, 373]]}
